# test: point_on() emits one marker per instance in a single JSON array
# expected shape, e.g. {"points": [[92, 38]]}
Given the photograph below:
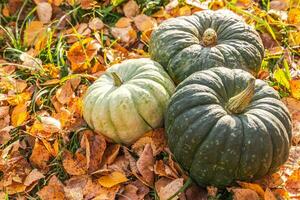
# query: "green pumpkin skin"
{"points": [[216, 147], [179, 45], [124, 113]]}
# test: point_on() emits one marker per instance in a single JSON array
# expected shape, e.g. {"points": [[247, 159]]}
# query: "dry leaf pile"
{"points": [[52, 50]]}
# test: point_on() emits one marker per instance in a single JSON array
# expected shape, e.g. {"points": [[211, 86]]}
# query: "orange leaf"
{"points": [[269, 195], [295, 88], [40, 156], [19, 115], [32, 32], [252, 186], [112, 179]]}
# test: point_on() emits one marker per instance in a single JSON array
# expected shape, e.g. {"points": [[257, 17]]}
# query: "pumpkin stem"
{"points": [[209, 37], [117, 79], [239, 102]]}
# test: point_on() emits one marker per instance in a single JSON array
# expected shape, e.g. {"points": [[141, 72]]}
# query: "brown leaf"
{"points": [[279, 4], [252, 186], [65, 93], [244, 194], [50, 125], [161, 169], [131, 9], [126, 35], [111, 154], [4, 135], [34, 176], [96, 24], [170, 189], [15, 188], [144, 22], [143, 190], [295, 88], [123, 22], [75, 82], [44, 12], [130, 192], [53, 191], [40, 156], [97, 145], [145, 164], [32, 32], [269, 195], [74, 188], [74, 165], [195, 193], [293, 182]]}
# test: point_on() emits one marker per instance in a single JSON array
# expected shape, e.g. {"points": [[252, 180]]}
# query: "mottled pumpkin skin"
{"points": [[177, 44], [126, 112], [216, 147]]}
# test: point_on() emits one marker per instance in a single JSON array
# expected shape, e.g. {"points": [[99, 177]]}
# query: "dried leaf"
{"points": [[50, 124], [44, 12], [53, 191], [185, 11], [279, 4], [282, 78], [96, 24], [74, 165], [65, 93], [244, 194], [170, 189], [144, 22], [294, 16], [195, 193], [74, 188], [40, 156], [252, 186], [269, 195], [112, 179], [4, 134], [295, 88], [145, 164], [131, 9], [15, 188], [111, 154], [126, 35], [130, 192], [34, 176], [32, 32], [123, 22], [19, 115]]}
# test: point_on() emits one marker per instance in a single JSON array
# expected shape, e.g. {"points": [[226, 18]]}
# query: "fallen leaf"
{"points": [[123, 22], [244, 194], [167, 191], [144, 22], [4, 134], [279, 4], [185, 10], [112, 179], [130, 192], [65, 93], [74, 187], [34, 176], [145, 164], [196, 193], [131, 9], [50, 124], [294, 16], [87, 4], [15, 188], [74, 165], [111, 154], [53, 191], [40, 156], [252, 186], [143, 190], [4, 111], [126, 35], [19, 115], [96, 24], [44, 12], [295, 88], [293, 182], [282, 78], [269, 195], [33, 31]]}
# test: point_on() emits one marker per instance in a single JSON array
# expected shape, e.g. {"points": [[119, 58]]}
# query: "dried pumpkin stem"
{"points": [[209, 37], [117, 79], [238, 103]]}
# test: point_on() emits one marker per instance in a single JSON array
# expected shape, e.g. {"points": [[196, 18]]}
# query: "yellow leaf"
{"points": [[185, 10], [294, 38], [17, 99], [269, 195], [19, 115], [282, 78], [294, 16], [295, 88], [112, 179], [32, 32], [252, 186]]}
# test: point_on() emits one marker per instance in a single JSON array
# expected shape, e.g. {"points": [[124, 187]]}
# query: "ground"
{"points": [[52, 50]]}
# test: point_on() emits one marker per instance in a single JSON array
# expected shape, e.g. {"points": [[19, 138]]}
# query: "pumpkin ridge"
{"points": [[279, 131], [198, 145]]}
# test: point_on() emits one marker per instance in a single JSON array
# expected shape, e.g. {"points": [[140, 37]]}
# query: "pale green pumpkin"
{"points": [[128, 100]]}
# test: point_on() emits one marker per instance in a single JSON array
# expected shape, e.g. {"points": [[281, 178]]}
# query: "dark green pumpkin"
{"points": [[206, 39], [223, 125]]}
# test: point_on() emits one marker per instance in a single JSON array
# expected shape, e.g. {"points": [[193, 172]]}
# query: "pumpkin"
{"points": [[223, 126], [206, 39], [128, 100]]}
